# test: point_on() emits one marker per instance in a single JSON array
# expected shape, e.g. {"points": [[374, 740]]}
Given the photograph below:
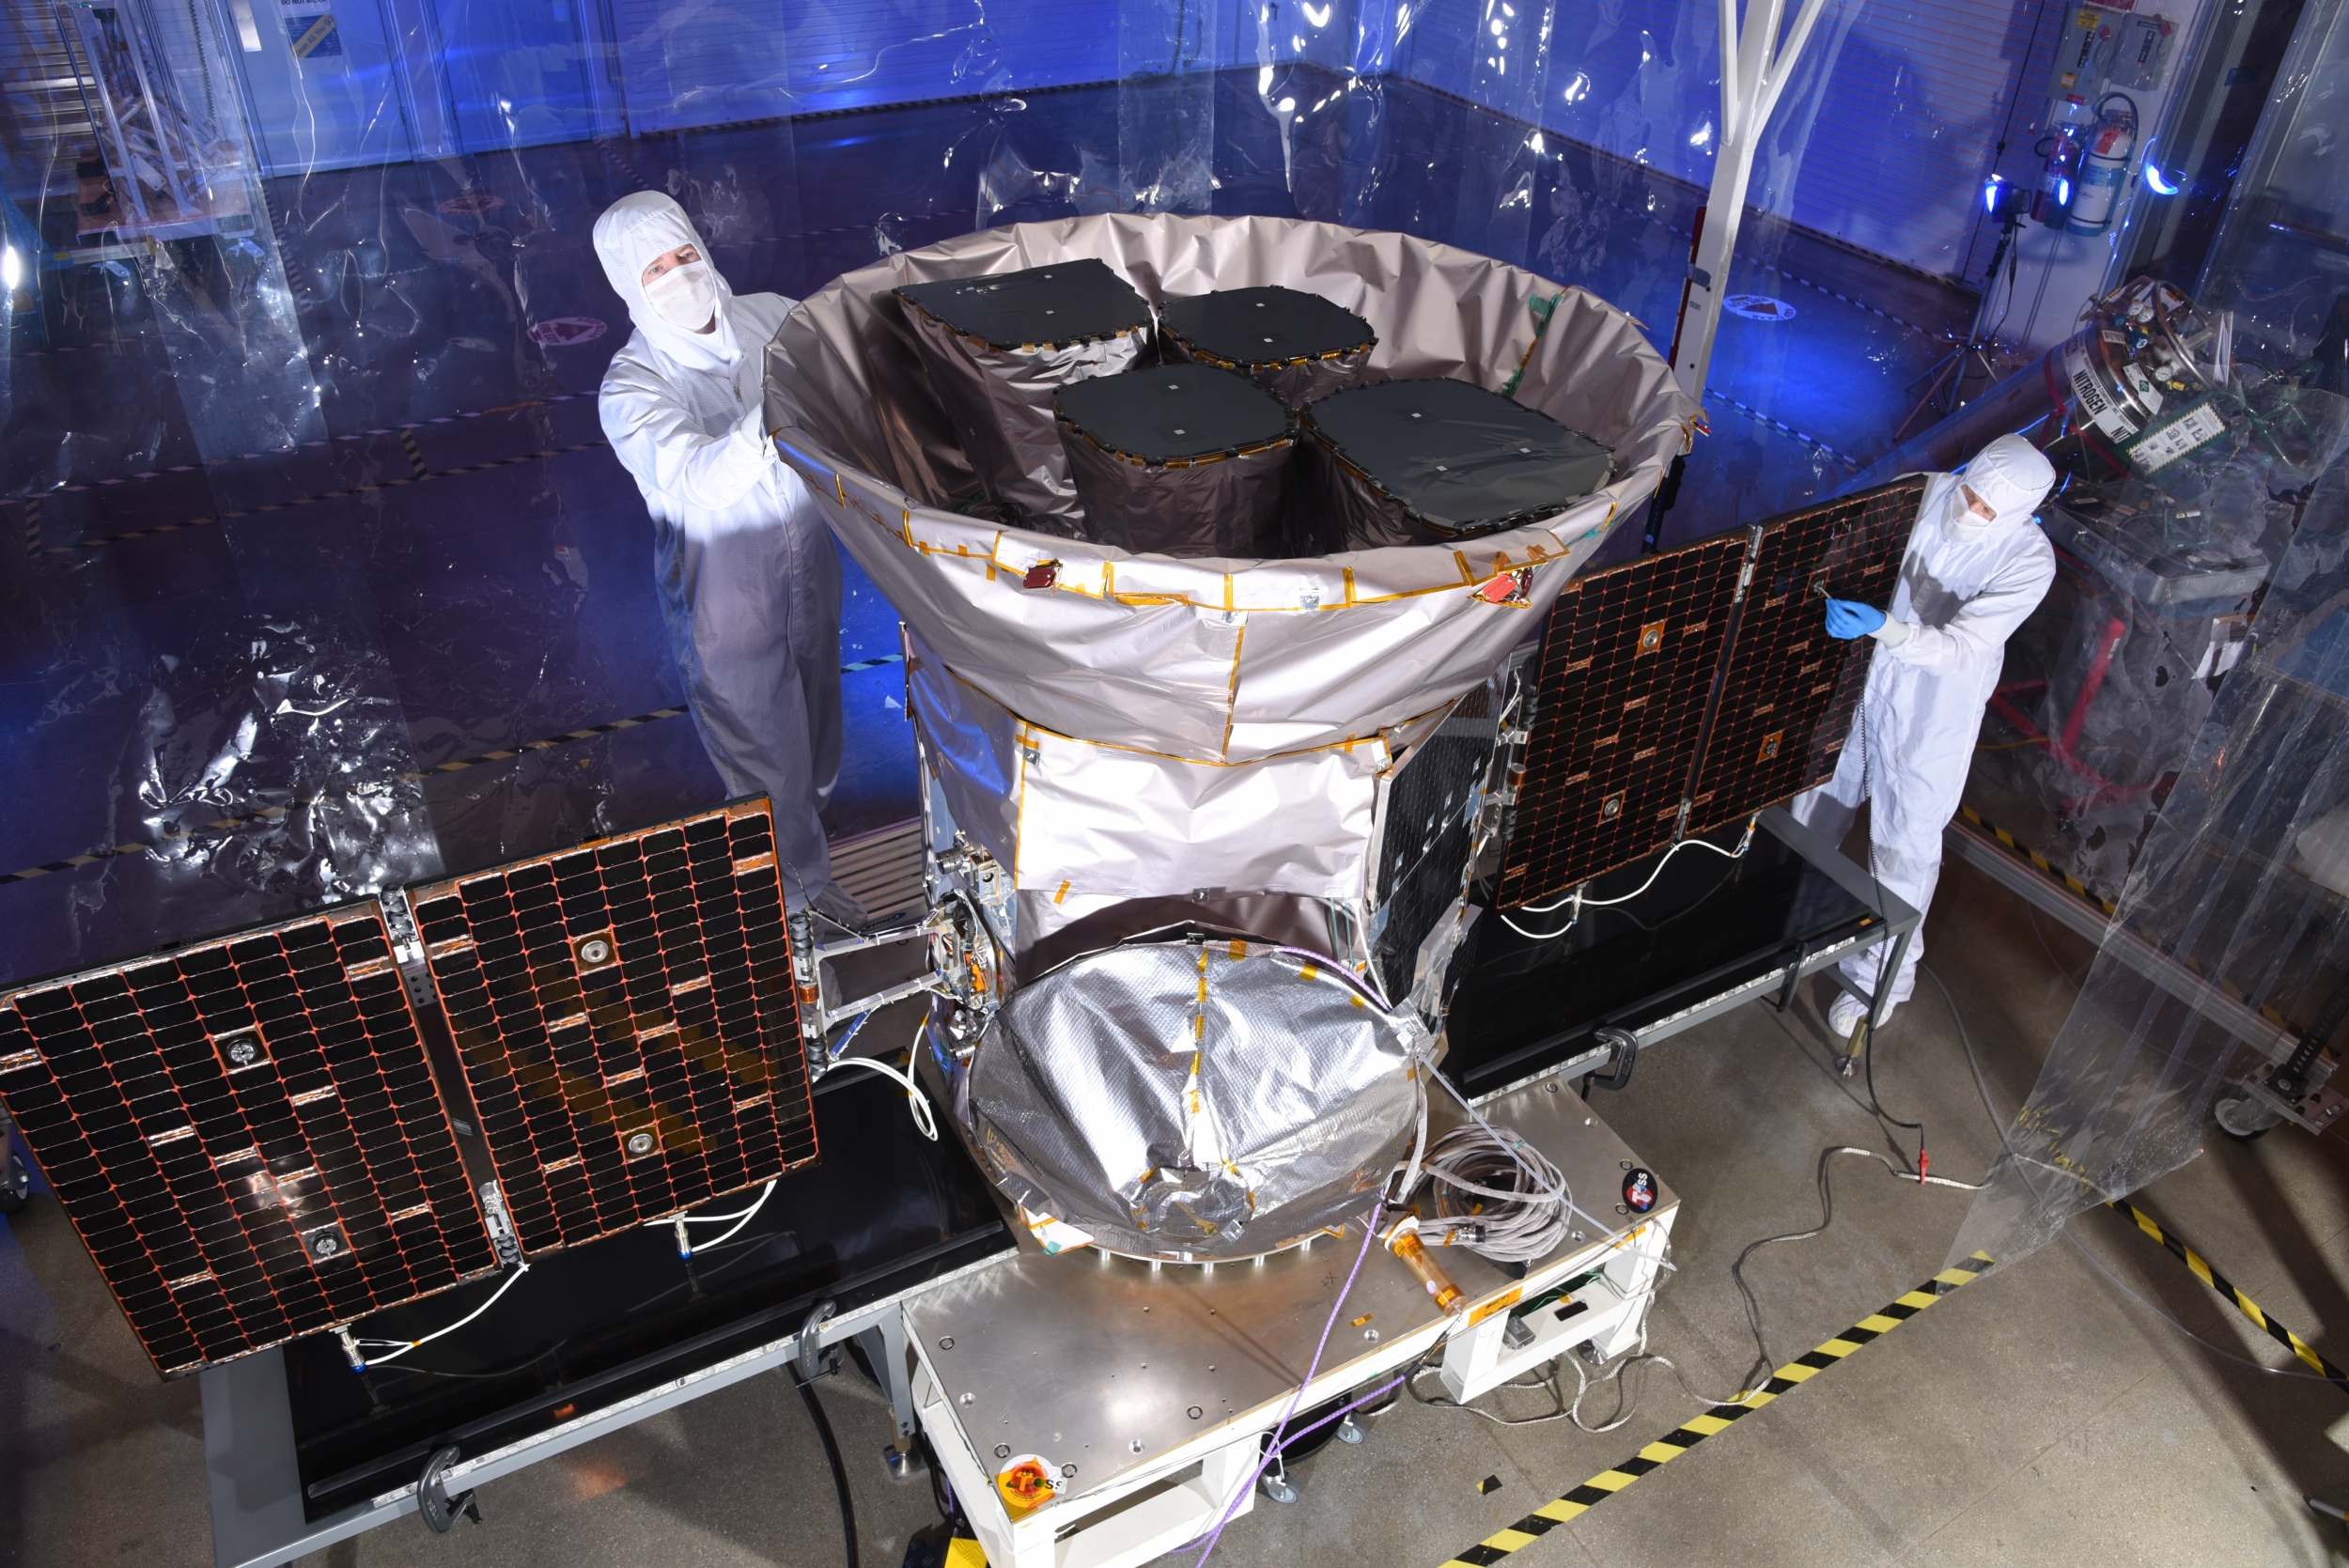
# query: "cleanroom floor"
{"points": [[2044, 1413]]}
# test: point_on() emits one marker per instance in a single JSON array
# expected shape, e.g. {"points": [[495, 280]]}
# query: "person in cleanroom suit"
{"points": [[1977, 567], [749, 580]]}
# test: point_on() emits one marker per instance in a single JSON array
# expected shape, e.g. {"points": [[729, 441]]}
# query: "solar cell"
{"points": [[247, 1136], [625, 1017], [1702, 676], [1627, 660], [1790, 690]]}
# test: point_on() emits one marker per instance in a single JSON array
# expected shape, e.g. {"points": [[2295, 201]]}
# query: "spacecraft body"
{"points": [[1282, 755]]}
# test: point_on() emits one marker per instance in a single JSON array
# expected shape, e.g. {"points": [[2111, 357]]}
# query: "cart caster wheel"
{"points": [[16, 1182], [1280, 1488], [1352, 1430], [2241, 1117]]}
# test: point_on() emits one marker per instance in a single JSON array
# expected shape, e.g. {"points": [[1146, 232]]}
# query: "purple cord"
{"points": [[1370, 1229], [1334, 1415]]}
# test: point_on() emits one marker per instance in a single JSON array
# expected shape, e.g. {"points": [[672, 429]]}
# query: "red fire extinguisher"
{"points": [[2065, 148]]}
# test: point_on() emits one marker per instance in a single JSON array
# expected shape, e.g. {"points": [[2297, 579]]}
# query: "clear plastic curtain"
{"points": [[2242, 884]]}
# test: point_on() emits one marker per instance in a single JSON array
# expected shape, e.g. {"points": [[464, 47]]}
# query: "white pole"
{"points": [[1753, 74]]}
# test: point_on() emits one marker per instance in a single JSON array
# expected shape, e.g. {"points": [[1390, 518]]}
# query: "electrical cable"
{"points": [[924, 1121], [740, 1221], [1981, 1087], [1521, 1223], [1759, 1373], [407, 1345], [831, 1452], [1867, 1047], [1558, 1190], [1580, 903], [1370, 1229]]}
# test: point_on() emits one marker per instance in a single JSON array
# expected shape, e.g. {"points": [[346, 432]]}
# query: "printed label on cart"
{"points": [[1026, 1484], [1501, 1302]]}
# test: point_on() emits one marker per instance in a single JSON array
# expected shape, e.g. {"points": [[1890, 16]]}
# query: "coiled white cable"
{"points": [[1511, 1203]]}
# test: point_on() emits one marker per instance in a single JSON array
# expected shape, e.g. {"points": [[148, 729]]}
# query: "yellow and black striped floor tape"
{"points": [[2151, 939], [1656, 1454], [2243, 1303], [2046, 866]]}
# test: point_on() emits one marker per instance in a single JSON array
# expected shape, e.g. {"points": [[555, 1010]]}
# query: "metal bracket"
{"points": [[1785, 997], [502, 1236], [438, 1510], [2318, 1109], [813, 1363]]}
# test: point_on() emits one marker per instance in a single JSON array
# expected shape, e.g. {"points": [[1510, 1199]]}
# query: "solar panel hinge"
{"points": [[1745, 573], [502, 1236], [1680, 823], [408, 951]]}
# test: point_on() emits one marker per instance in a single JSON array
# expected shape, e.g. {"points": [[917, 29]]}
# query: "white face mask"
{"points": [[1965, 524], [685, 296]]}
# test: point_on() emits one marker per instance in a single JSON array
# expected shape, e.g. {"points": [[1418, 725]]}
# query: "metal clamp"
{"points": [[438, 1510], [1626, 1057], [813, 1363]]}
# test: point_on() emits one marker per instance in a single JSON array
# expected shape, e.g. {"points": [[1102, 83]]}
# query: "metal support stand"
{"points": [[1950, 369]]}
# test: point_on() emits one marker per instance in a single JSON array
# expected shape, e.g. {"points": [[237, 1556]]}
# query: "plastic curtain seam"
{"points": [[1982, 1086]]}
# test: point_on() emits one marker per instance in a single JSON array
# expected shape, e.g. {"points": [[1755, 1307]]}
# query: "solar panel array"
{"points": [[247, 1136], [625, 1019], [1627, 660], [1689, 690], [1790, 690]]}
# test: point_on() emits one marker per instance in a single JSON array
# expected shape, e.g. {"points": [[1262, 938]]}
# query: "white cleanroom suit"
{"points": [[1966, 583], [749, 580]]}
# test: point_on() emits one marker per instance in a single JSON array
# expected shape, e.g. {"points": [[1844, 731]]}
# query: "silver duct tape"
{"points": [[1001, 403], [1070, 817], [1196, 1101], [1230, 506], [1215, 661]]}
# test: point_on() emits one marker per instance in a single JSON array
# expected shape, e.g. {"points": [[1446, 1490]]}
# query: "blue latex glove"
{"points": [[1847, 619]]}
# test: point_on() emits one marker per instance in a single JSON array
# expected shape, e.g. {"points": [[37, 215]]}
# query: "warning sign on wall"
{"points": [[310, 27]]}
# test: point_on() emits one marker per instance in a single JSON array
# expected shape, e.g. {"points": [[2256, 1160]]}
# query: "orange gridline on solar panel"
{"points": [[1792, 689], [237, 1184], [624, 1017], [1610, 757]]}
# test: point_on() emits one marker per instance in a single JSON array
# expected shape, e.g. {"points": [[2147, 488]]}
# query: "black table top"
{"points": [[1708, 924], [881, 1210]]}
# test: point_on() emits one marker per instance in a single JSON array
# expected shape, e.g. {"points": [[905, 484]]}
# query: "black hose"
{"points": [[832, 1452]]}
